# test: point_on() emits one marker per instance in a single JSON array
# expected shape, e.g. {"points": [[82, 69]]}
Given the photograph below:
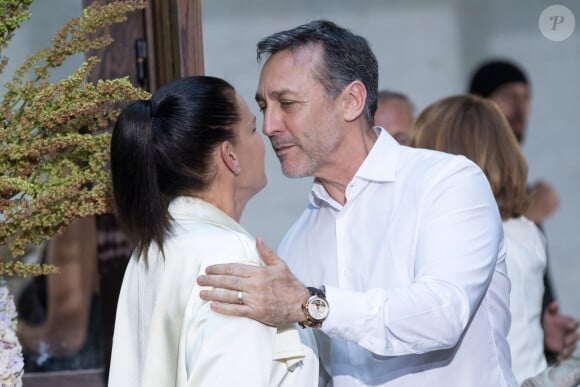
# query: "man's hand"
{"points": [[560, 332], [270, 294], [543, 202]]}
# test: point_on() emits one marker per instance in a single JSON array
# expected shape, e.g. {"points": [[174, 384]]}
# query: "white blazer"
{"points": [[165, 335]]}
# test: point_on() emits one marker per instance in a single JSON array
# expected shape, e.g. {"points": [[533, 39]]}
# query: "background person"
{"points": [[474, 127], [506, 84], [395, 114]]}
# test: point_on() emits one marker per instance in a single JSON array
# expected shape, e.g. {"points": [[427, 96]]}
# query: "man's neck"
{"points": [[340, 173]]}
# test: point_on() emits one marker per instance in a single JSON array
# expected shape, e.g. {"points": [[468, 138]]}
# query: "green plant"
{"points": [[53, 150]]}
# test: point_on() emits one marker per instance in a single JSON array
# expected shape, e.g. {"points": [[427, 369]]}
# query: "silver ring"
{"points": [[240, 297]]}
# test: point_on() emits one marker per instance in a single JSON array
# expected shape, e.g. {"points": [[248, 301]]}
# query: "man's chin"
{"points": [[292, 172], [519, 130]]}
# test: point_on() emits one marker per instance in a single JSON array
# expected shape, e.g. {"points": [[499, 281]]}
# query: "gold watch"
{"points": [[315, 309]]}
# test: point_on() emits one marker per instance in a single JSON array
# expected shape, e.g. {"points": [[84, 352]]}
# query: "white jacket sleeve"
{"points": [[227, 351]]}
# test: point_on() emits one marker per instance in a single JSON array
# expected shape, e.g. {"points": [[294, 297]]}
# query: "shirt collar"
{"points": [[380, 165]]}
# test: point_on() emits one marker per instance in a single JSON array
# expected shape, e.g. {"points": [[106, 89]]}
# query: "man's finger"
{"points": [[570, 340], [573, 324], [552, 307], [221, 281], [231, 309], [235, 297], [266, 253], [232, 269]]}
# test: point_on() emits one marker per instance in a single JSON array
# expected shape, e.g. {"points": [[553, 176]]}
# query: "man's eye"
{"points": [[286, 103]]}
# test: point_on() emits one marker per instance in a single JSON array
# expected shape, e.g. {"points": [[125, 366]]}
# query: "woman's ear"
{"points": [[354, 97], [230, 158]]}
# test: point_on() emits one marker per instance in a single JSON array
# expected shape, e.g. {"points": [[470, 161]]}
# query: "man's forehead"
{"points": [[284, 71], [310, 54]]}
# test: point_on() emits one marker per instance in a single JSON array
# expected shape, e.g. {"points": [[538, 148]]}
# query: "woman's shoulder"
{"points": [[521, 227], [214, 242], [524, 234]]}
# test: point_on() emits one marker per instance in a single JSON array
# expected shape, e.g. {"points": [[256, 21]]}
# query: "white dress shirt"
{"points": [[165, 335], [526, 263], [414, 269]]}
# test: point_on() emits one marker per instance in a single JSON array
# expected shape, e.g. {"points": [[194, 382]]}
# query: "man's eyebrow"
{"points": [[273, 94]]}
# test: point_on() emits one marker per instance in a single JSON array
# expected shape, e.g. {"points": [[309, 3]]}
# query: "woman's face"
{"points": [[250, 148]]}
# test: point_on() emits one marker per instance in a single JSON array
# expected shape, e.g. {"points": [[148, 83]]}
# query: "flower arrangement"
{"points": [[54, 154], [11, 364]]}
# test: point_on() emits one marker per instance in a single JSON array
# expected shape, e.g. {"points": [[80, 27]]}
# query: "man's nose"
{"points": [[272, 122]]}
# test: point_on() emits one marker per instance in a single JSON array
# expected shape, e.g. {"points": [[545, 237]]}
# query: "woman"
{"points": [[184, 165], [474, 127]]}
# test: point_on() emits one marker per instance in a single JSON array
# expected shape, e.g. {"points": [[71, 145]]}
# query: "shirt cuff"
{"points": [[347, 316]]}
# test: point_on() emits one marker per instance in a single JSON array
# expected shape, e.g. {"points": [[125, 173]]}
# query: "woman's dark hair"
{"points": [[347, 57], [161, 148]]}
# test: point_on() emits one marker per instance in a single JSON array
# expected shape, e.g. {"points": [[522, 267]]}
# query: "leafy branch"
{"points": [[53, 134]]}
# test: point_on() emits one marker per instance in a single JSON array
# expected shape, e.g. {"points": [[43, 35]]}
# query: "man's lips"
{"points": [[283, 149]]}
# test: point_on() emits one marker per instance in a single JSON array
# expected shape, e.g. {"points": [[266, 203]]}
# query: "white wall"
{"points": [[426, 49], [36, 33]]}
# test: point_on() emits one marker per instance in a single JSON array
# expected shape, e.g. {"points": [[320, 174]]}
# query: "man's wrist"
{"points": [[315, 308]]}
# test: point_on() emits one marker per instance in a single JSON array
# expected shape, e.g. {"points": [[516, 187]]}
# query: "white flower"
{"points": [[11, 364]]}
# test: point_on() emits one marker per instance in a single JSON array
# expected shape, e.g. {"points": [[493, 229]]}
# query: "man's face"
{"points": [[396, 117], [513, 100], [300, 118]]}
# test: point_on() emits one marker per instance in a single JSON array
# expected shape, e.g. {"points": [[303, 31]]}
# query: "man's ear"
{"points": [[353, 97], [230, 158]]}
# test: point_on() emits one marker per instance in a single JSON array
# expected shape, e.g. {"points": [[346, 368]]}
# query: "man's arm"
{"points": [[544, 202], [459, 238]]}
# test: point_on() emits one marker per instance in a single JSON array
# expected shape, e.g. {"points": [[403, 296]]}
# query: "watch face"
{"points": [[318, 308]]}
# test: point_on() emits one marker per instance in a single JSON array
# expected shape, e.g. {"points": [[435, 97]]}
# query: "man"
{"points": [[506, 84], [395, 115], [401, 248]]}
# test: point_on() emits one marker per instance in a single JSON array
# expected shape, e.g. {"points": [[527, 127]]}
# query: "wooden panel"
{"points": [[190, 37], [178, 40], [118, 59], [85, 378]]}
